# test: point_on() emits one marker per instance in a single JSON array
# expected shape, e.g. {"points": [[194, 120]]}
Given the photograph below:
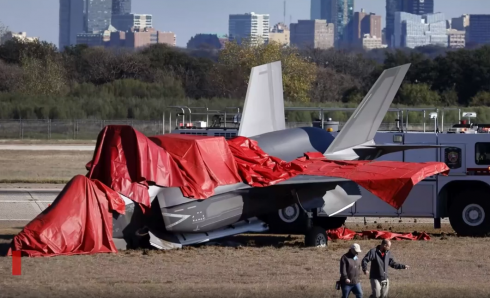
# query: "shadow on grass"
{"points": [[261, 241]]}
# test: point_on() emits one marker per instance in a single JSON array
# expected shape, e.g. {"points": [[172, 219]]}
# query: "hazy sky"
{"points": [[185, 18]]}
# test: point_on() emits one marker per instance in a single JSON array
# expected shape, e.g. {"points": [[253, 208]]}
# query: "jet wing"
{"points": [[341, 197]]}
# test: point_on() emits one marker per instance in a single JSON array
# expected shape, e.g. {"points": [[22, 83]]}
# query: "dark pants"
{"points": [[356, 290]]}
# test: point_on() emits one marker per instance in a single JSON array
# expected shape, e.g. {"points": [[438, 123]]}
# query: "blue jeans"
{"points": [[356, 290]]}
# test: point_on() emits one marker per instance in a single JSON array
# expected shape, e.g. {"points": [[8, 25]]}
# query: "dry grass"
{"points": [[42, 166], [452, 267]]}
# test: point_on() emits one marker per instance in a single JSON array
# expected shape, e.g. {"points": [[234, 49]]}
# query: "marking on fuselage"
{"points": [[181, 216]]}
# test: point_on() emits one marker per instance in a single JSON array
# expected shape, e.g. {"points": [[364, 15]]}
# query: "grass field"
{"points": [[445, 266], [42, 166]]}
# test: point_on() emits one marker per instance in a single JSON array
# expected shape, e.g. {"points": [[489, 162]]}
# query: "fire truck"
{"points": [[460, 196]]}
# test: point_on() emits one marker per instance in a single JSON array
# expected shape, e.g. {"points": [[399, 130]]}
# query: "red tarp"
{"points": [[126, 161], [79, 221], [205, 162], [391, 181], [346, 234]]}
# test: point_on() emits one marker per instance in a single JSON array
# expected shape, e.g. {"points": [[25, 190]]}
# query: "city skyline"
{"points": [[211, 16]]}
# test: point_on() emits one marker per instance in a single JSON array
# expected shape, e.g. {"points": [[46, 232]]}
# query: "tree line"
{"points": [[38, 81]]}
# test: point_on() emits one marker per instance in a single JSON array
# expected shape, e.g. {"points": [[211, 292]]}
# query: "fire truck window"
{"points": [[482, 153]]}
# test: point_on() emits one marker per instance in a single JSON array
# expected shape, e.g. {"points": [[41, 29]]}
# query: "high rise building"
{"points": [[478, 32], [316, 9], [98, 15], [370, 42], [413, 30], [363, 23], [280, 33], [313, 33], [121, 7], [97, 38], [71, 22], [456, 39], [338, 12], [249, 26], [392, 6], [124, 22], [460, 23], [420, 7]]}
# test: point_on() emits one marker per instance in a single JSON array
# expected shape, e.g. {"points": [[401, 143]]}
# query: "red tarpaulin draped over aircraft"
{"points": [[346, 234], [391, 181], [205, 162], [125, 159], [79, 221]]}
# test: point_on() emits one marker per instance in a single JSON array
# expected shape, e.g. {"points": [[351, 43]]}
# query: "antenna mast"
{"points": [[284, 12]]}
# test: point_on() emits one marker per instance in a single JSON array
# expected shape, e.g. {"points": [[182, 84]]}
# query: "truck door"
{"points": [[421, 199]]}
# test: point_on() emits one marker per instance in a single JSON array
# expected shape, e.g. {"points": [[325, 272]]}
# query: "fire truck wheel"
{"points": [[316, 237], [469, 214]]}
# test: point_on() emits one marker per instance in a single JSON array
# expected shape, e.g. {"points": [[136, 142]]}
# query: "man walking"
{"points": [[350, 272], [380, 258]]}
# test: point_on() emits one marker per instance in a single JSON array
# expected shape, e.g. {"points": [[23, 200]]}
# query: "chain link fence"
{"points": [[89, 129]]}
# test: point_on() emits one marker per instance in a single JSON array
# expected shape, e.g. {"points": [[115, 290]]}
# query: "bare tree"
{"points": [[10, 77], [3, 30], [331, 86]]}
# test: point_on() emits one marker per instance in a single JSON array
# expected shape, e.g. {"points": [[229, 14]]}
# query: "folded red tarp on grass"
{"points": [[347, 234], [79, 221]]}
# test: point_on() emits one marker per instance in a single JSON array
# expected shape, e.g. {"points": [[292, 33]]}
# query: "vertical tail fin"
{"points": [[263, 110], [366, 119]]}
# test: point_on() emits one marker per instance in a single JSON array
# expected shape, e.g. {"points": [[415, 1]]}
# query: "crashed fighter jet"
{"points": [[166, 202], [241, 208]]}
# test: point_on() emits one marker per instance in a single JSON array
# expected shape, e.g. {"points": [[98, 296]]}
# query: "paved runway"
{"points": [[48, 147], [24, 204], [18, 205]]}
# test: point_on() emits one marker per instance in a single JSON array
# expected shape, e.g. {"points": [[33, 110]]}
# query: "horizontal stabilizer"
{"points": [[337, 200]]}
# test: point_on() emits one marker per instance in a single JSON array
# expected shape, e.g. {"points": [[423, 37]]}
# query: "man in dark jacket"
{"points": [[380, 258], [350, 272]]}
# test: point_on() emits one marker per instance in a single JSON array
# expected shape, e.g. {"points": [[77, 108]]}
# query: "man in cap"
{"points": [[380, 258], [350, 272]]}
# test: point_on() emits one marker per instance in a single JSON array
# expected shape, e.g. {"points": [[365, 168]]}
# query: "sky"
{"points": [[40, 18]]}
